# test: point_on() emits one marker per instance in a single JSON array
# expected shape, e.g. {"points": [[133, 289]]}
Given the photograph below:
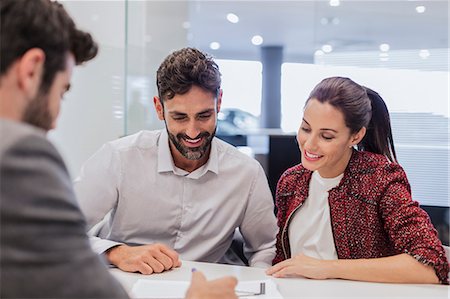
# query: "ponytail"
{"points": [[378, 138]]}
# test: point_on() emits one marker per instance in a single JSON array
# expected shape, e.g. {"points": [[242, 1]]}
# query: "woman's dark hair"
{"points": [[362, 107], [184, 68], [45, 25]]}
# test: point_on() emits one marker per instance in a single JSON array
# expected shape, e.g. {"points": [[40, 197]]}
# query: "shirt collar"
{"points": [[166, 164]]}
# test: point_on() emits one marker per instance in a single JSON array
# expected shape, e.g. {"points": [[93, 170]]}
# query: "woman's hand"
{"points": [[301, 265]]}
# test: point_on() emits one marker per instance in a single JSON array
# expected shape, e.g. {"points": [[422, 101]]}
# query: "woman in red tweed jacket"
{"points": [[346, 211]]}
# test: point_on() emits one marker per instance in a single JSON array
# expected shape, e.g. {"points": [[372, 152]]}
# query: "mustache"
{"points": [[201, 135]]}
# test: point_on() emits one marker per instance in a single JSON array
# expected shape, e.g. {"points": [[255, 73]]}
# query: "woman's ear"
{"points": [[358, 136]]}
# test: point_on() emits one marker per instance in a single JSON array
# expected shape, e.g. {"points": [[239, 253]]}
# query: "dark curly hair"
{"points": [[46, 25], [184, 68]]}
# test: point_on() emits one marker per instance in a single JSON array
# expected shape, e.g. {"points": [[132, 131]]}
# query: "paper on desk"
{"points": [[164, 289]]}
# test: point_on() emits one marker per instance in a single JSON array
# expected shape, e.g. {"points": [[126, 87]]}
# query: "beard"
{"points": [[192, 153], [37, 112]]}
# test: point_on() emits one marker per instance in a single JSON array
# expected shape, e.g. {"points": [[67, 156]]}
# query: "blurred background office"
{"points": [[271, 54]]}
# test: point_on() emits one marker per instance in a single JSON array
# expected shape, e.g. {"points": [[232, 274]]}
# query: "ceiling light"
{"points": [[232, 18], [335, 2], [420, 9], [324, 21], [424, 54], [257, 40], [327, 48], [335, 21], [214, 45], [384, 47]]}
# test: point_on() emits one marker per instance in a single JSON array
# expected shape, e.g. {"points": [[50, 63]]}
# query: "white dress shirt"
{"points": [[131, 192], [310, 229]]}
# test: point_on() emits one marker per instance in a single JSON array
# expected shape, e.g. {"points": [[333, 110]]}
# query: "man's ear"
{"points": [[219, 100], [30, 70], [158, 107]]}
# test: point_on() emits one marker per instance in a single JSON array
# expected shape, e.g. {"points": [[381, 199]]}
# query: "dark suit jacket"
{"points": [[44, 251]]}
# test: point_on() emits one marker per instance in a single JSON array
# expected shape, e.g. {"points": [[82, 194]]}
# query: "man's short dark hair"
{"points": [[184, 68], [46, 25]]}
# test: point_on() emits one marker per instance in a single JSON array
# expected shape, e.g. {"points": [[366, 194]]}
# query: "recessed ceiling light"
{"points": [[327, 48], [335, 2], [384, 47], [335, 21], [324, 21], [232, 18], [420, 9], [257, 40], [424, 54], [214, 45]]}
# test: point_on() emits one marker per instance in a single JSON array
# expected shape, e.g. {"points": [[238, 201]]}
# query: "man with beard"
{"points": [[157, 196], [44, 249]]}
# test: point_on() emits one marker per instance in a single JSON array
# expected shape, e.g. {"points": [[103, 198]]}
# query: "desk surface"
{"points": [[294, 287]]}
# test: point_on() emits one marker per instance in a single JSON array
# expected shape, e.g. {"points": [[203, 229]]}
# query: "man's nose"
{"points": [[192, 130]]}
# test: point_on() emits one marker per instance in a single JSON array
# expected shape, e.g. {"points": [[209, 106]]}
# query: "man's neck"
{"points": [[11, 106]]}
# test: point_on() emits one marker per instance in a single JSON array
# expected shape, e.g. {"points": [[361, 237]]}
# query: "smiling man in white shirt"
{"points": [[157, 196]]}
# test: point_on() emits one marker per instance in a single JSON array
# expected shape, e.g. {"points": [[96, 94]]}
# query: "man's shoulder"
{"points": [[228, 151], [14, 133], [141, 140]]}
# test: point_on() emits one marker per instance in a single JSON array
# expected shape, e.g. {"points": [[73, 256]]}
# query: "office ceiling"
{"points": [[302, 27]]}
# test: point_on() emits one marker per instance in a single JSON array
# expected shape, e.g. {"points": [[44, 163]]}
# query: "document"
{"points": [[174, 289]]}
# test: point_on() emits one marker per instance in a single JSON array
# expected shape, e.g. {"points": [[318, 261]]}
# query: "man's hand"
{"points": [[222, 288], [301, 265], [146, 259]]}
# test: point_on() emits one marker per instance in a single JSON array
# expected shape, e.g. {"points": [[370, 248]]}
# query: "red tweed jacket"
{"points": [[372, 213]]}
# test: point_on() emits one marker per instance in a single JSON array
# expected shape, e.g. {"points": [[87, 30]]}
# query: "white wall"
{"points": [[92, 112]]}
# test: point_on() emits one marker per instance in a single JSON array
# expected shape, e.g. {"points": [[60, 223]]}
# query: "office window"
{"points": [[241, 84], [416, 93]]}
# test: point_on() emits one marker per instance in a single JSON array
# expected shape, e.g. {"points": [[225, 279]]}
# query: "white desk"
{"points": [[294, 287]]}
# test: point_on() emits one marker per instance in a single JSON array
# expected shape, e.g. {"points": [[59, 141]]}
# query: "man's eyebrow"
{"points": [[177, 113], [211, 110]]}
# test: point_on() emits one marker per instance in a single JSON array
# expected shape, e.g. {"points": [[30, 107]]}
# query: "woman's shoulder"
{"points": [[293, 177], [371, 164]]}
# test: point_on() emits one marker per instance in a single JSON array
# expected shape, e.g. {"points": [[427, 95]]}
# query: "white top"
{"points": [[150, 200], [310, 230]]}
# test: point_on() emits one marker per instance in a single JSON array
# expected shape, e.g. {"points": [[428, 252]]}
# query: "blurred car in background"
{"points": [[232, 125]]}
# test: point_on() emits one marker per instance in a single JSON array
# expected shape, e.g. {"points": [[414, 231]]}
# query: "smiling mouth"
{"points": [[193, 142], [311, 157]]}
